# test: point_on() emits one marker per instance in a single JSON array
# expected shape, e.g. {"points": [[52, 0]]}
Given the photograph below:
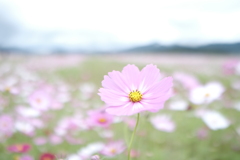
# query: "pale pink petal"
{"points": [[127, 110], [148, 77], [108, 83], [157, 100], [119, 80], [153, 107], [111, 98], [160, 88], [120, 110], [110, 91], [131, 74]]}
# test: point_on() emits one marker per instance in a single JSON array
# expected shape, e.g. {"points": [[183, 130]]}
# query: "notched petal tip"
{"points": [[130, 66]]}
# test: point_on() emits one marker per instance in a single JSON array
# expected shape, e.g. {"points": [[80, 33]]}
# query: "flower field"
{"points": [[52, 107]]}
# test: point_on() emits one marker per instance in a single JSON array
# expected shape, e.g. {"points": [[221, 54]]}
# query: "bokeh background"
{"points": [[60, 50]]}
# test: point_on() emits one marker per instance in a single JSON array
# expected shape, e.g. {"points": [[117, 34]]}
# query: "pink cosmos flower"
{"points": [[40, 141], [113, 148], [188, 81], [132, 91], [72, 140], [19, 148], [47, 156], [230, 66], [6, 125], [134, 154], [54, 139], [69, 124], [99, 119], [95, 157], [40, 100], [130, 122], [26, 157]]}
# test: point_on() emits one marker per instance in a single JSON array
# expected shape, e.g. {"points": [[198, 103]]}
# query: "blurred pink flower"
{"points": [[113, 148], [202, 133], [130, 122], [188, 81], [69, 124], [54, 139], [132, 91], [40, 100], [230, 66], [134, 154], [19, 148], [47, 156], [163, 123], [40, 140], [95, 157], [26, 157], [72, 140], [6, 125], [99, 119]]}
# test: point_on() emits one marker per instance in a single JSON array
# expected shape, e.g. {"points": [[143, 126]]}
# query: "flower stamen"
{"points": [[102, 120], [135, 96]]}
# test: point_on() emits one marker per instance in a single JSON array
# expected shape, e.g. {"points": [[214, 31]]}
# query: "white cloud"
{"points": [[136, 21]]}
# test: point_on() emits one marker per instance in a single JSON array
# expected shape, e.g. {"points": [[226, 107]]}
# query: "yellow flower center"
{"points": [[135, 96], [113, 151], [8, 89], [207, 95], [102, 120], [19, 147], [38, 100]]}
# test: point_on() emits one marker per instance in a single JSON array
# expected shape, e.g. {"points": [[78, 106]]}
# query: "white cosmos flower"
{"points": [[206, 94], [179, 105], [28, 112], [24, 127], [74, 157], [237, 106], [214, 120], [91, 149]]}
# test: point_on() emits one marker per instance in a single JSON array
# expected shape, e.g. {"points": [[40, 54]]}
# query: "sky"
{"points": [[110, 23]]}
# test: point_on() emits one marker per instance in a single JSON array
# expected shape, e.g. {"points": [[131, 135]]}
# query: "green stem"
{"points": [[132, 137], [234, 130]]}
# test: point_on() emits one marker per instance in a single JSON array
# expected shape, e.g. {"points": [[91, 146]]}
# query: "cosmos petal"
{"points": [[148, 77], [131, 74], [120, 80]]}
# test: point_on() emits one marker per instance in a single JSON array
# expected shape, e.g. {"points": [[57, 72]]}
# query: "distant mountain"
{"points": [[213, 48], [29, 42]]}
